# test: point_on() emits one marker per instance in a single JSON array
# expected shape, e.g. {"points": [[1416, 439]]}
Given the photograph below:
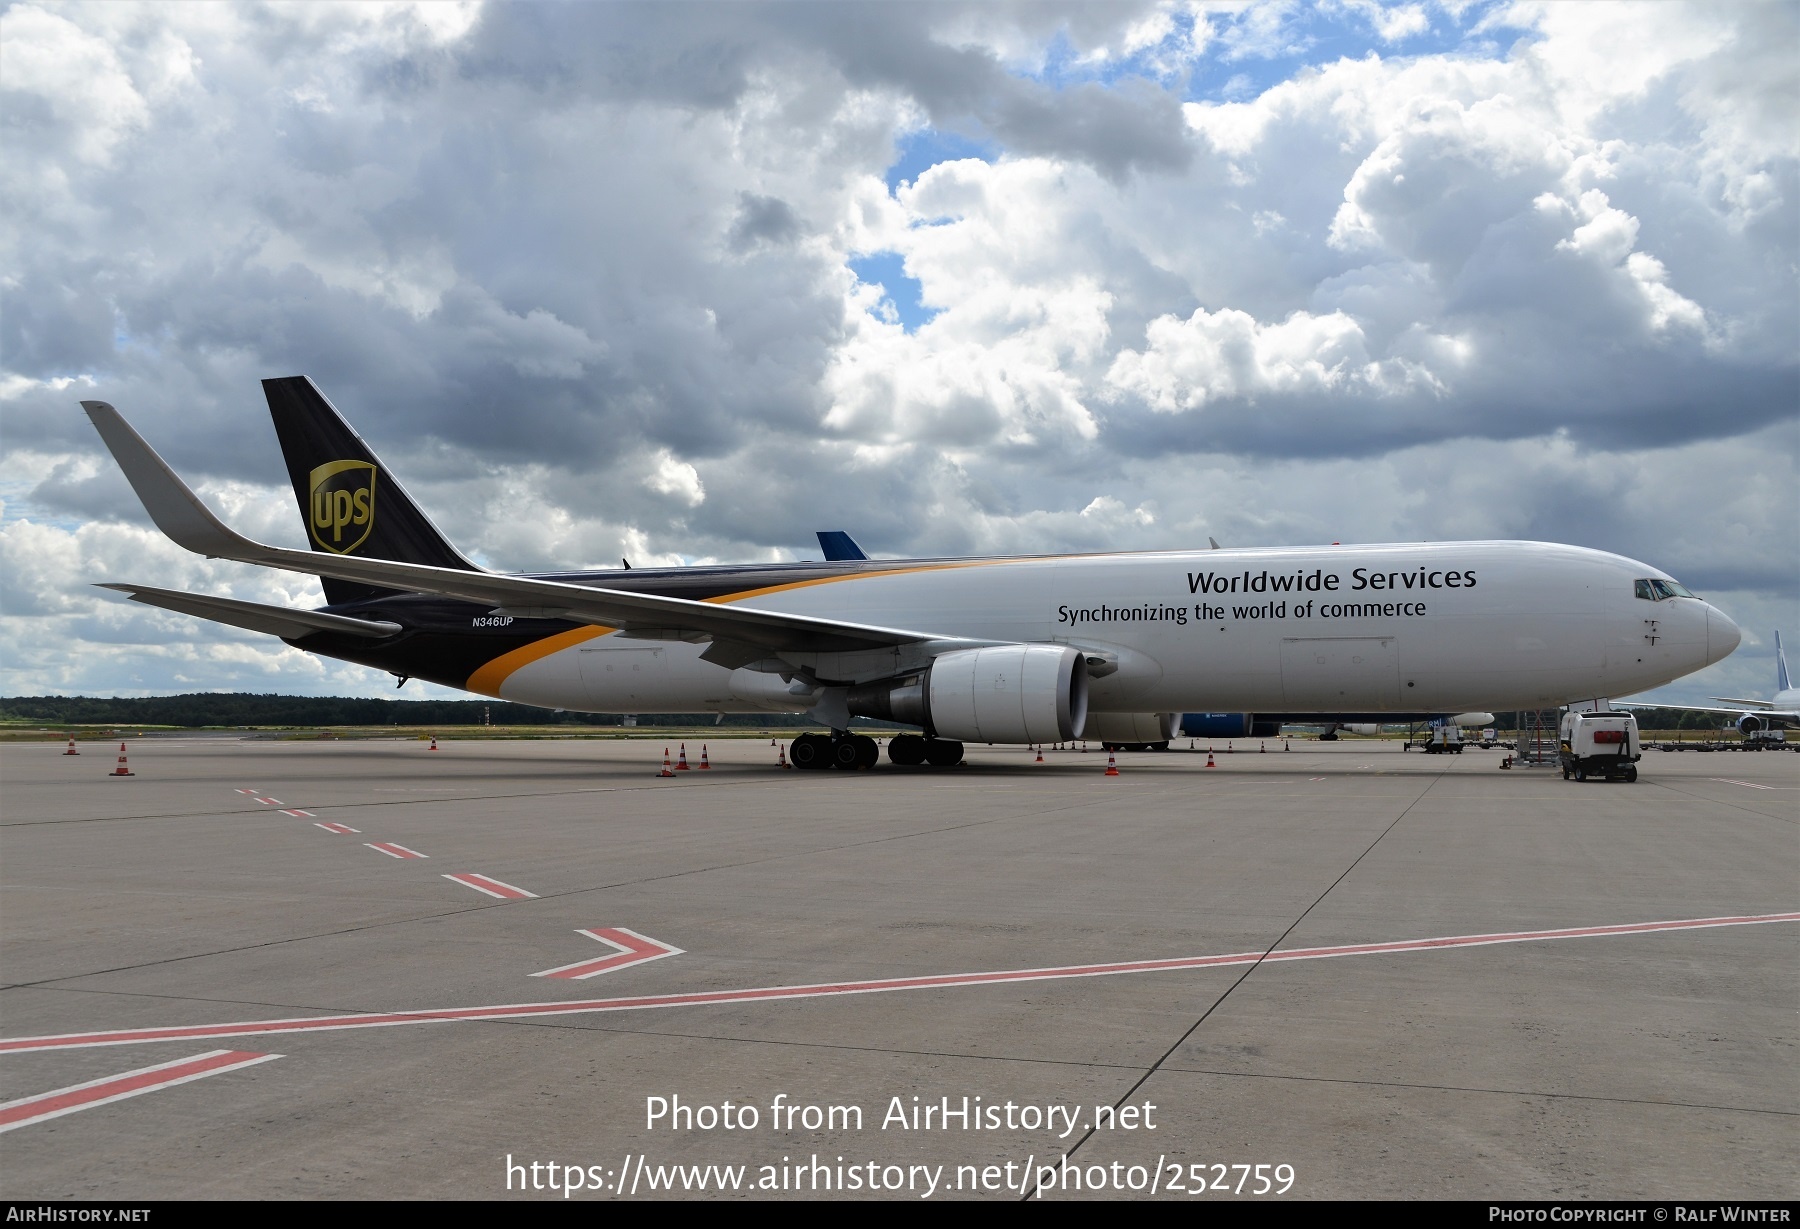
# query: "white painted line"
{"points": [[300, 814], [1745, 784], [394, 851], [270, 802], [45, 1106], [340, 828], [493, 887], [766, 994]]}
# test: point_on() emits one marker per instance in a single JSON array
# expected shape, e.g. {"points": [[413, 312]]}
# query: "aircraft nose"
{"points": [[1722, 635]]}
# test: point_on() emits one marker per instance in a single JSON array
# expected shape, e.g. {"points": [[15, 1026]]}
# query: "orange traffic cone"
{"points": [[1209, 759], [1112, 765], [71, 750], [703, 760], [433, 746], [681, 765], [781, 759], [1040, 758], [1084, 746], [121, 770], [1262, 748], [1228, 746], [665, 769], [1285, 746]]}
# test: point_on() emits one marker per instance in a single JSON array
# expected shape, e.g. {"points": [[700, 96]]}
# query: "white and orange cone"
{"points": [[703, 760], [1112, 766], [665, 769], [781, 758], [1209, 759], [1040, 758], [71, 750], [122, 770], [433, 746], [681, 765]]}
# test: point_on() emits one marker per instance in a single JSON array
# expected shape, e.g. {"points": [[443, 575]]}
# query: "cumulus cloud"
{"points": [[583, 276]]}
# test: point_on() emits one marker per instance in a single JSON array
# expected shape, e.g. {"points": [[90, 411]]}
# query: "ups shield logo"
{"points": [[343, 505]]}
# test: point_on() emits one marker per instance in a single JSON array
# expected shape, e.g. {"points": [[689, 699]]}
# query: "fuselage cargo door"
{"points": [[1340, 674], [627, 679]]}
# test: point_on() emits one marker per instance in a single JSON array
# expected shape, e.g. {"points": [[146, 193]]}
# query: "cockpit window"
{"points": [[1656, 589]]}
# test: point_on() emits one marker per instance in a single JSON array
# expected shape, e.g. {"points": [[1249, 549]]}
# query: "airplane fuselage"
{"points": [[1387, 628]]}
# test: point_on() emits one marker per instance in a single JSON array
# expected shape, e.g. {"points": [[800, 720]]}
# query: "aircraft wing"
{"points": [[1766, 710], [739, 635], [256, 617], [1759, 704]]}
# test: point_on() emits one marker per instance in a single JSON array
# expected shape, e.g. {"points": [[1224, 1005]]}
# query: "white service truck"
{"points": [[1599, 744]]}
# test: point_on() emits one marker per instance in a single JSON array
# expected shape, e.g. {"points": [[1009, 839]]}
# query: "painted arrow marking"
{"points": [[817, 990], [493, 887], [45, 1106], [394, 851], [632, 948]]}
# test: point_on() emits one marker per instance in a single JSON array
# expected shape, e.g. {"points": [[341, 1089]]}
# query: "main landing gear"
{"points": [[826, 751], [860, 751]]}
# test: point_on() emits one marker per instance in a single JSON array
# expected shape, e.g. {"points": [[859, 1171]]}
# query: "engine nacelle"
{"points": [[1750, 723], [1131, 728], [1012, 693]]}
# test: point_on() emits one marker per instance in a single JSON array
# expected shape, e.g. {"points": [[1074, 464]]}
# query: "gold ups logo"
{"points": [[343, 505]]}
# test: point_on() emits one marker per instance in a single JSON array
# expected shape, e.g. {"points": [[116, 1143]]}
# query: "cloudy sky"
{"points": [[686, 282]]}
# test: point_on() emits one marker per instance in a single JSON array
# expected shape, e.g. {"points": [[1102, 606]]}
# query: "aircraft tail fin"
{"points": [[1781, 670], [839, 545], [351, 503]]}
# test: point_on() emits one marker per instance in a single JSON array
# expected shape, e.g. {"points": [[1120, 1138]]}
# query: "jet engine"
{"points": [[1012, 693], [1750, 723]]}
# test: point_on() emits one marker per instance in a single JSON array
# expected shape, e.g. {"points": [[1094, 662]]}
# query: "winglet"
{"points": [[176, 510]]}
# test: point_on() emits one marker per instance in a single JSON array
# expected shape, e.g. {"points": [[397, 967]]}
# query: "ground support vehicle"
{"points": [[1599, 744]]}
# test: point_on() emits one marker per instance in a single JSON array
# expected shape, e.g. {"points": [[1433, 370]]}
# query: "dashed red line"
{"points": [[395, 851], [331, 827], [300, 814], [493, 887], [270, 802], [503, 1011], [45, 1106], [249, 791]]}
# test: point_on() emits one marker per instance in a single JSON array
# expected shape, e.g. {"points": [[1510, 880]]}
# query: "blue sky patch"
{"points": [[925, 148], [900, 292]]}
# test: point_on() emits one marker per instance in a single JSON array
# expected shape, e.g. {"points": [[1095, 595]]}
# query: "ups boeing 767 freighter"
{"points": [[1022, 649]]}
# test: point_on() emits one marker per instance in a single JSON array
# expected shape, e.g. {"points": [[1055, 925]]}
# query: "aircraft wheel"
{"points": [[906, 749], [845, 753], [868, 751], [810, 751], [943, 753]]}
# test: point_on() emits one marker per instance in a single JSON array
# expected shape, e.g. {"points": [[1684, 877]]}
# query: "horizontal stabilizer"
{"points": [[256, 617]]}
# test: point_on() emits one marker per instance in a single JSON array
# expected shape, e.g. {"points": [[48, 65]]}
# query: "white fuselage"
{"points": [[1442, 627]]}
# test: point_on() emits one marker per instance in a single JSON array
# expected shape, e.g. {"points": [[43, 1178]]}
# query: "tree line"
{"points": [[239, 709]]}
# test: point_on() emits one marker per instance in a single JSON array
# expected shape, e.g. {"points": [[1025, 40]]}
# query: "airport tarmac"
{"points": [[1576, 991]]}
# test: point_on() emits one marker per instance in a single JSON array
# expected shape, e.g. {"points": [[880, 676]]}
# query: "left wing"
{"points": [[739, 635]]}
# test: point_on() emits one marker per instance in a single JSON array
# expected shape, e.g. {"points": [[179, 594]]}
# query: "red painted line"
{"points": [[506, 1011], [493, 887], [395, 851], [249, 791], [300, 814], [270, 802], [45, 1106], [630, 948], [331, 827]]}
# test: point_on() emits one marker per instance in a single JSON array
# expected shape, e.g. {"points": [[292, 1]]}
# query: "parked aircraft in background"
{"points": [[1026, 649], [1749, 716]]}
